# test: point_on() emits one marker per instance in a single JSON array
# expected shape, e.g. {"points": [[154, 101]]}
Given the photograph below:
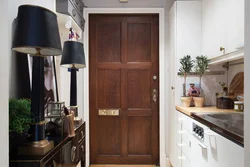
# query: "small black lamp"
{"points": [[73, 57], [37, 33]]}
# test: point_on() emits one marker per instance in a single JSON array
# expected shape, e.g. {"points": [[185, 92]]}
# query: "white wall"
{"points": [[247, 83], [4, 85]]}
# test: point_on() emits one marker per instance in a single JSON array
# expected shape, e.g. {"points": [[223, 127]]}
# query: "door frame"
{"points": [[163, 78]]}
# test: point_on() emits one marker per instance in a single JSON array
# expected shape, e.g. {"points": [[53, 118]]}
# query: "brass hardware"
{"points": [[110, 112], [222, 49], [54, 163], [81, 137], [154, 77], [73, 154], [154, 95]]}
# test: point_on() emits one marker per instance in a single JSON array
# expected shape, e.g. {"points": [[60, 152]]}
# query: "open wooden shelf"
{"points": [[206, 73]]}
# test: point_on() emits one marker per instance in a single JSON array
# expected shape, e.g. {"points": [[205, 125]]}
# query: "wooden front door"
{"points": [[124, 78]]}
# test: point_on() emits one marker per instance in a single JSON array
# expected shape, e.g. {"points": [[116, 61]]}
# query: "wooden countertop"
{"points": [[189, 110]]}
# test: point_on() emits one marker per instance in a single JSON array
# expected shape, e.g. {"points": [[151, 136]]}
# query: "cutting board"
{"points": [[236, 87]]}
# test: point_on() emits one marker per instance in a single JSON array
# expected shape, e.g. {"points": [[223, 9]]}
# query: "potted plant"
{"points": [[186, 67], [201, 65], [20, 119]]}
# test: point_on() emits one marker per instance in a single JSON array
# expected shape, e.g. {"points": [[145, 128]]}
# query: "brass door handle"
{"points": [[154, 95]]}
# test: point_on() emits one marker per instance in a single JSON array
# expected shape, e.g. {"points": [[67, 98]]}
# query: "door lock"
{"points": [[154, 95]]}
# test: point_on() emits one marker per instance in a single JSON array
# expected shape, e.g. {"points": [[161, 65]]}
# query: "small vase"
{"points": [[199, 101], [186, 101]]}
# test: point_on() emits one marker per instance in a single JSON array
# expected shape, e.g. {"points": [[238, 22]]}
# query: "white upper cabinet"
{"points": [[222, 26], [234, 25], [213, 27]]}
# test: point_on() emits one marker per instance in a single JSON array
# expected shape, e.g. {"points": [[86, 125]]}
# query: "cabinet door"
{"points": [[213, 27], [222, 152], [198, 153], [234, 24]]}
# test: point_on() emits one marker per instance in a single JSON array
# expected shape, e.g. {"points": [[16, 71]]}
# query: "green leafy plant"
{"points": [[20, 117], [201, 65], [186, 67]]}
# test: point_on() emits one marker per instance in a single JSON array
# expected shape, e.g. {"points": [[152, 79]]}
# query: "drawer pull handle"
{"points": [[181, 119], [54, 163], [181, 158], [181, 131], [81, 137], [181, 145], [73, 154], [202, 146], [209, 133]]}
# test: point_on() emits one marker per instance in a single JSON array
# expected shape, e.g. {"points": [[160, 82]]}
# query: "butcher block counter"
{"points": [[189, 110]]}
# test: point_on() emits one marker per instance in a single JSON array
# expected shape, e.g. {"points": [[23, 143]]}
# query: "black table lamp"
{"points": [[73, 57], [37, 33]]}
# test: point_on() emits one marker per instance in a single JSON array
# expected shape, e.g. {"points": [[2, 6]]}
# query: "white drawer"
{"points": [[186, 149], [185, 121], [185, 135], [185, 162], [179, 158], [179, 133]]}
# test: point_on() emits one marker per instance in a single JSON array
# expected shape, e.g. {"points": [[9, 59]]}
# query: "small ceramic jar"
{"points": [[239, 106]]}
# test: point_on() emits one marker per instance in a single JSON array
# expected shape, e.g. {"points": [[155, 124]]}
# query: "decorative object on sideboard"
{"points": [[186, 67], [201, 65], [73, 58], [37, 33], [68, 123]]}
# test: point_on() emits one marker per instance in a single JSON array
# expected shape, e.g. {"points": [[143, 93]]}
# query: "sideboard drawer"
{"points": [[55, 161]]}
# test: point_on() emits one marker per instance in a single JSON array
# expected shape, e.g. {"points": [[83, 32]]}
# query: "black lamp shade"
{"points": [[73, 55], [36, 29]]}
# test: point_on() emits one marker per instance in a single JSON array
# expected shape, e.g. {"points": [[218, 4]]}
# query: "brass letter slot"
{"points": [[111, 112]]}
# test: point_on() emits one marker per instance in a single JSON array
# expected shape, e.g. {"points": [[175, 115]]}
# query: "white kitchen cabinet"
{"points": [[234, 25], [222, 26], [223, 152], [198, 153], [213, 27]]}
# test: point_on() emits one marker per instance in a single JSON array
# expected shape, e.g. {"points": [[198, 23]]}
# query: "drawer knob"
{"points": [[74, 12], [73, 153], [54, 163], [82, 147]]}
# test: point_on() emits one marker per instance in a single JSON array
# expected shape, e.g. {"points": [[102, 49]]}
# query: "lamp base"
{"points": [[36, 148]]}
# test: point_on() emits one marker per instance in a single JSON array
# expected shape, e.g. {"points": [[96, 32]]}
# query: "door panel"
{"points": [[139, 44], [139, 87], [139, 132], [109, 42], [109, 130], [108, 88], [124, 57]]}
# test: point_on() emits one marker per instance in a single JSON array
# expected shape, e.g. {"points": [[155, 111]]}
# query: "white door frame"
{"points": [[162, 78]]}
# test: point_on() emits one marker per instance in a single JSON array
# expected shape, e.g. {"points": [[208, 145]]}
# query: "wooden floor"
{"points": [[122, 166]]}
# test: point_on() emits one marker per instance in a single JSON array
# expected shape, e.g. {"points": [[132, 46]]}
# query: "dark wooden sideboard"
{"points": [[68, 152]]}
